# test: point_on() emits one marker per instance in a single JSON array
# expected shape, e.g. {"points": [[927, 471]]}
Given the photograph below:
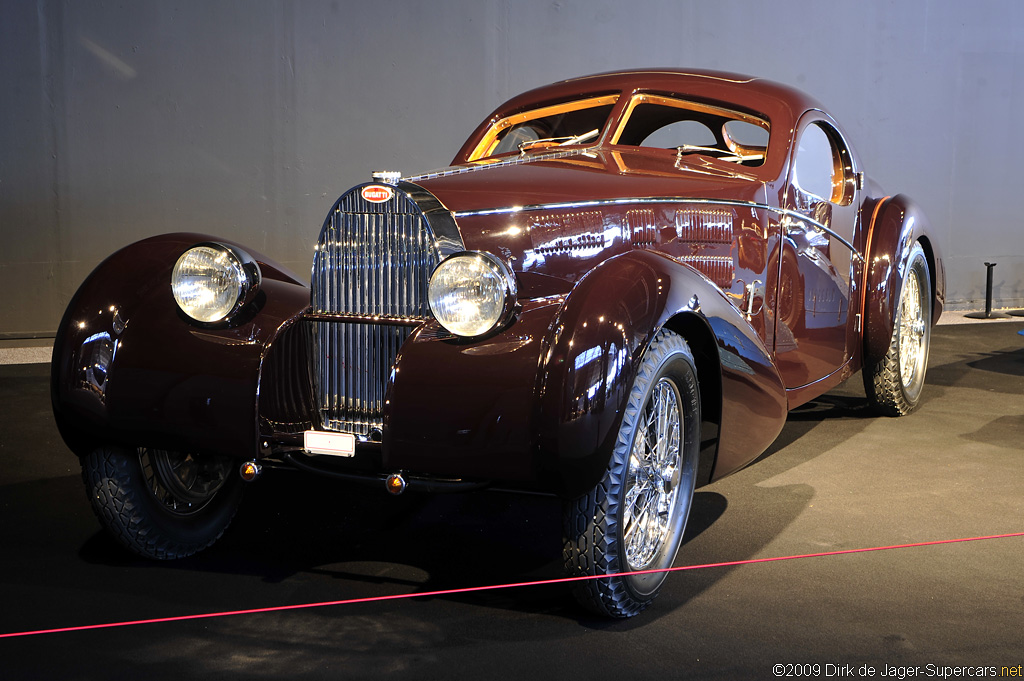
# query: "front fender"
{"points": [[128, 367], [899, 224], [540, 401], [464, 407], [599, 337]]}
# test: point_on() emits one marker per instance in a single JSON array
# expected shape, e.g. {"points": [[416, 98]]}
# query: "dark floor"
{"points": [[837, 478]]}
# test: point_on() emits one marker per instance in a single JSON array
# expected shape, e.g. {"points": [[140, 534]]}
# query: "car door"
{"points": [[815, 255]]}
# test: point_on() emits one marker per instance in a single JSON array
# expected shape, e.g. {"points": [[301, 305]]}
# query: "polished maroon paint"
{"points": [[167, 383], [609, 243], [900, 223]]}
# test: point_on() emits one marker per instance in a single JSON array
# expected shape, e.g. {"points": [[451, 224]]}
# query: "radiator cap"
{"points": [[387, 176]]}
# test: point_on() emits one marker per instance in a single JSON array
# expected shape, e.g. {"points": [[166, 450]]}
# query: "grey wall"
{"points": [[247, 119]]}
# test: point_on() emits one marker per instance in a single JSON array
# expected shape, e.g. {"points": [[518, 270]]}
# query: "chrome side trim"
{"points": [[668, 72], [661, 200]]}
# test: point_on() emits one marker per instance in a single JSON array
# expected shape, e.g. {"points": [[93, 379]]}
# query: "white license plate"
{"points": [[331, 444]]}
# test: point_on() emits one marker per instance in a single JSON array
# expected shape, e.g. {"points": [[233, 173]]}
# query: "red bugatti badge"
{"points": [[376, 193]]}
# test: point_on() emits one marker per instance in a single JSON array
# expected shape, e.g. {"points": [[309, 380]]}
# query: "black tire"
{"points": [[597, 524], [159, 504], [894, 384]]}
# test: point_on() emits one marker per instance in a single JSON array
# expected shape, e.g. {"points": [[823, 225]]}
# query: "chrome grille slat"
{"points": [[371, 260]]}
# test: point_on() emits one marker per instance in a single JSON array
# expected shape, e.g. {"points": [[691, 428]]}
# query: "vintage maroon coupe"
{"points": [[614, 294]]}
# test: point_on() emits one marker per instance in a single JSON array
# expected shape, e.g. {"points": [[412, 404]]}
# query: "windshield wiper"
{"points": [[559, 141]]}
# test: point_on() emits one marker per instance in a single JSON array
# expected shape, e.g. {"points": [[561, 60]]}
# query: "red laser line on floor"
{"points": [[492, 587]]}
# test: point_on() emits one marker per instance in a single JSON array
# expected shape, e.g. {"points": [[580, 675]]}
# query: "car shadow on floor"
{"points": [[845, 410], [338, 541], [353, 541], [342, 542]]}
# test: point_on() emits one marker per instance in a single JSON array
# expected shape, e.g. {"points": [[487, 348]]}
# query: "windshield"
{"points": [[575, 122], [690, 127]]}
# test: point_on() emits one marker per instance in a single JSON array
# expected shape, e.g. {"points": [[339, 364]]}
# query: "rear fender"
{"points": [[898, 225], [128, 367]]}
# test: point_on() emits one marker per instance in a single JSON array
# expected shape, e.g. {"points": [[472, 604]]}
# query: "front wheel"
{"points": [[161, 504], [633, 520], [894, 384]]}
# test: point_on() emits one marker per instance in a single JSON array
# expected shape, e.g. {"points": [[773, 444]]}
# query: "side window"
{"points": [[746, 135], [822, 166], [679, 133], [693, 128]]}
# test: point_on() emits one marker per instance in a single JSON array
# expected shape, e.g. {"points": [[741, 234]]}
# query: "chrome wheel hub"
{"points": [[652, 481], [912, 330]]}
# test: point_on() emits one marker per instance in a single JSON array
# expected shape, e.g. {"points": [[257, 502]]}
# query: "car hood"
{"points": [[581, 175]]}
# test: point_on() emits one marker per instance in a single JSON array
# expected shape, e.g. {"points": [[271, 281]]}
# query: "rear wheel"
{"points": [[791, 293], [633, 520], [161, 504], [894, 384]]}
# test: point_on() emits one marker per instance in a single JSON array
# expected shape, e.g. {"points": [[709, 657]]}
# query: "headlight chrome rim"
{"points": [[225, 273], [472, 311]]}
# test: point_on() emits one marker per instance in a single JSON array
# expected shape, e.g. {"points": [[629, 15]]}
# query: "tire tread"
{"points": [[588, 551], [883, 383], [114, 487]]}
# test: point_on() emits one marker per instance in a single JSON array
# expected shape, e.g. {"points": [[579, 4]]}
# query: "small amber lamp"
{"points": [[250, 470], [395, 484]]}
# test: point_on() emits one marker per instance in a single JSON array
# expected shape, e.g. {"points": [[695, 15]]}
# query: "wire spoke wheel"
{"points": [[911, 331], [653, 478], [181, 482]]}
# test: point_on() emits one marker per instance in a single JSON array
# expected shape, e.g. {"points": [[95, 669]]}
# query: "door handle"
{"points": [[755, 289], [745, 300]]}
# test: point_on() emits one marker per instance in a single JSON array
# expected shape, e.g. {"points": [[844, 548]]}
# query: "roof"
{"points": [[780, 104], [758, 94]]}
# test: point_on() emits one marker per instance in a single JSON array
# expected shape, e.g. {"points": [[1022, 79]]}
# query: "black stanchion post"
{"points": [[988, 313], [989, 266]]}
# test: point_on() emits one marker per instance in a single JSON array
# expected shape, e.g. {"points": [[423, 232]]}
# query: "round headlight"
{"points": [[471, 293], [212, 281]]}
